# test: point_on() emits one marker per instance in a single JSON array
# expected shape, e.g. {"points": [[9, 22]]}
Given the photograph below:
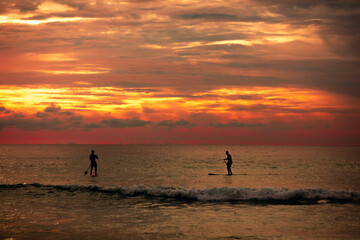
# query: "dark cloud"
{"points": [[32, 124], [338, 20], [236, 124], [77, 4], [202, 118], [20, 5], [92, 125], [41, 115], [4, 110], [124, 123], [291, 6], [53, 109], [75, 118], [339, 76], [149, 110], [208, 16], [52, 118], [174, 124], [342, 35]]}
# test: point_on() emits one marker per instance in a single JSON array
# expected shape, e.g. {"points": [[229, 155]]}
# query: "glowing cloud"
{"points": [[181, 71]]}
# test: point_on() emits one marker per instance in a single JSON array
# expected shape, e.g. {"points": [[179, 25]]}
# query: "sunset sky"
{"points": [[185, 71]]}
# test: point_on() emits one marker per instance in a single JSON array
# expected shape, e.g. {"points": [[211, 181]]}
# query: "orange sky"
{"points": [[190, 72]]}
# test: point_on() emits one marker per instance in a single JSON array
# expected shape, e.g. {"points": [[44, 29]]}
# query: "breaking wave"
{"points": [[225, 194]]}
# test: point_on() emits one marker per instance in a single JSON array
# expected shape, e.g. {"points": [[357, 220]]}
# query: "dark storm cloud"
{"points": [[124, 123]]}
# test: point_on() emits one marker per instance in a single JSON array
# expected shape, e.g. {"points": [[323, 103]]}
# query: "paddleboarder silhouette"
{"points": [[228, 162], [93, 163]]}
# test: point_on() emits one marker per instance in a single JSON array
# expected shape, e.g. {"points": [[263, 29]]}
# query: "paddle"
{"points": [[87, 170]]}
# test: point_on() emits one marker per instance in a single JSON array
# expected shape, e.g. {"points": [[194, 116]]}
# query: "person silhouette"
{"points": [[93, 163], [228, 163]]}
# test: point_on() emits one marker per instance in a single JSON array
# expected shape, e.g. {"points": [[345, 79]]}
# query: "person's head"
{"points": [[227, 152], [92, 151]]}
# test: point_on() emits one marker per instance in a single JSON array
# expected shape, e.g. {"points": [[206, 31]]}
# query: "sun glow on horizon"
{"points": [[218, 101]]}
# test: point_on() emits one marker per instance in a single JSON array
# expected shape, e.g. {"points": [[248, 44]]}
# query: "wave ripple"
{"points": [[225, 194]]}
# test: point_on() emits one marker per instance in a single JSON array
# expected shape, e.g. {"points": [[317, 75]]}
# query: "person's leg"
{"points": [[95, 169], [91, 169]]}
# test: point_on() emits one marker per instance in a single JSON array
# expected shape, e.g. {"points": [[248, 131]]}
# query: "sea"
{"points": [[179, 192]]}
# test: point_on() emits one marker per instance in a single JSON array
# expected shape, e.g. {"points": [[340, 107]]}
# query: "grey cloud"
{"points": [[123, 123], [41, 115], [148, 110], [342, 35], [75, 118], [92, 126], [176, 35], [338, 20], [74, 4], [223, 17], [21, 5], [291, 6], [52, 109], [209, 16], [5, 110], [339, 76], [67, 113], [235, 123], [174, 124], [54, 120], [288, 109], [33, 124]]}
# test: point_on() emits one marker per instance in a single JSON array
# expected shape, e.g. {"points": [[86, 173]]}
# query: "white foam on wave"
{"points": [[224, 194], [240, 194]]}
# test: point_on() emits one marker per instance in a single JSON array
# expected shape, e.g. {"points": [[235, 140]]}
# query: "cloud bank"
{"points": [[185, 67]]}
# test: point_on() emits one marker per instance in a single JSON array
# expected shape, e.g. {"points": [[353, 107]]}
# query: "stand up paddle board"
{"points": [[219, 174]]}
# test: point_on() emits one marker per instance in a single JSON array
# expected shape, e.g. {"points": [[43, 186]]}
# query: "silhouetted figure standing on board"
{"points": [[93, 163], [228, 163]]}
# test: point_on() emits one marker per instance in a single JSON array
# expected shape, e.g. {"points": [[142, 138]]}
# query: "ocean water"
{"points": [[166, 192]]}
